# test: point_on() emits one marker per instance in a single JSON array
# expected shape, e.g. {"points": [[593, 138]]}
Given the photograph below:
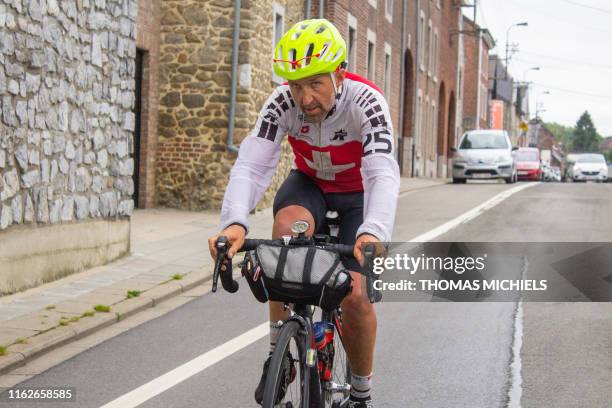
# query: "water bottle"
{"points": [[319, 335]]}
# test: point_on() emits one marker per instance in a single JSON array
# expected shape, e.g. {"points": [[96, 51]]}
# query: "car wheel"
{"points": [[458, 180]]}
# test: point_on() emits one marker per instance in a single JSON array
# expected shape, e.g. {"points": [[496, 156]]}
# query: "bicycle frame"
{"points": [[303, 314]]}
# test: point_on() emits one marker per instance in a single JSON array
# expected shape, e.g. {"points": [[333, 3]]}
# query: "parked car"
{"points": [[550, 174], [570, 160], [484, 154], [556, 173], [528, 164], [610, 173], [589, 166]]}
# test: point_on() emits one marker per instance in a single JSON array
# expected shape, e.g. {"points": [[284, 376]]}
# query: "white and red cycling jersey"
{"points": [[351, 150]]}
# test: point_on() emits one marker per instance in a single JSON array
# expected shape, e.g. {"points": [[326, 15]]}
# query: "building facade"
{"points": [[67, 84], [477, 44]]}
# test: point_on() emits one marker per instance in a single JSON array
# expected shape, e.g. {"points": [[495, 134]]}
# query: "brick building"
{"points": [[146, 108], [476, 101]]}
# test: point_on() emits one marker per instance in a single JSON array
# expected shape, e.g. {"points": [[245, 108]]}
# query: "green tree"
{"points": [[585, 137], [562, 133]]}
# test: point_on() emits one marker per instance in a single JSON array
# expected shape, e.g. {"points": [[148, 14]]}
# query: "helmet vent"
{"points": [[338, 55], [292, 57], [321, 29], [324, 50], [304, 26], [296, 35], [308, 55]]}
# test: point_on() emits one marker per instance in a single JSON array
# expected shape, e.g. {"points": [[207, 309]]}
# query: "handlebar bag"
{"points": [[302, 275]]}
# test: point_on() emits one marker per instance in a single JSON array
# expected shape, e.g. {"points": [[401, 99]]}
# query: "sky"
{"points": [[570, 41]]}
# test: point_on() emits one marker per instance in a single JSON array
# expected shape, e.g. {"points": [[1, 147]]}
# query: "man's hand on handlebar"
{"points": [[235, 235], [361, 243]]}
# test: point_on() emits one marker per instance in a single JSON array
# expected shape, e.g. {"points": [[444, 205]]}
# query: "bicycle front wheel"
{"points": [[287, 380]]}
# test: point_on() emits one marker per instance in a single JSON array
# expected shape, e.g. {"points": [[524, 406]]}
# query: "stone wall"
{"points": [[193, 164], [66, 80]]}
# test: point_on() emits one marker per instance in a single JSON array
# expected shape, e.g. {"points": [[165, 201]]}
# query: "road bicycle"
{"points": [[323, 373]]}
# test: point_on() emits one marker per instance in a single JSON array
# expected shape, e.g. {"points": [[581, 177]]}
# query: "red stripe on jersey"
{"points": [[355, 77], [334, 168]]}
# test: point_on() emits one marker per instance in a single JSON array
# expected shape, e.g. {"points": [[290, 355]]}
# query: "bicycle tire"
{"points": [[290, 331], [340, 358]]}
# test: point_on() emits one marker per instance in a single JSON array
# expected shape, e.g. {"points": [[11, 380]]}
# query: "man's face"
{"points": [[315, 95]]}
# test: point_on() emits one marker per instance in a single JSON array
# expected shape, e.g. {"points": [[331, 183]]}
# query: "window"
{"points": [[436, 55], [421, 49], [387, 86], [434, 128], [352, 43], [430, 56], [426, 124], [372, 3], [389, 10], [419, 109], [371, 58], [278, 29]]}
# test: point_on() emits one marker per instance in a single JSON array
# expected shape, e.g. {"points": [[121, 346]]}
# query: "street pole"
{"points": [[523, 24]]}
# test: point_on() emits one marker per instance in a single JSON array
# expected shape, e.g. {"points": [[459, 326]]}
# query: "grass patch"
{"points": [[63, 322], [133, 293], [74, 319], [177, 276], [88, 313], [21, 340], [50, 307], [2, 350], [102, 308]]}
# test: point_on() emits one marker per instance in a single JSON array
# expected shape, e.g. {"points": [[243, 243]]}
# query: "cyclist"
{"points": [[341, 134]]}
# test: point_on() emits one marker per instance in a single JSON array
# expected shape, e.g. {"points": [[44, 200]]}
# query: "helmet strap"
{"points": [[336, 91]]}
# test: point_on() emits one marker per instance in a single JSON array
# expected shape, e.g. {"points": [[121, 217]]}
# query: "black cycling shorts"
{"points": [[299, 189]]}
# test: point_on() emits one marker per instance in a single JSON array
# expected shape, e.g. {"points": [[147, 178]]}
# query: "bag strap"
{"points": [[329, 272], [308, 265], [280, 266]]}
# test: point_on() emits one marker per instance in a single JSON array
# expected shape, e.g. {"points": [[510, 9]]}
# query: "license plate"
{"points": [[482, 175], [523, 173]]}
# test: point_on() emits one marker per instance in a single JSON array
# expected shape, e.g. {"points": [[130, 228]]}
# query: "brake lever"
{"points": [[222, 249], [369, 252]]}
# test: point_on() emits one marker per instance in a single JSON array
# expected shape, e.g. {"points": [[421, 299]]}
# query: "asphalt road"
{"points": [[428, 354]]}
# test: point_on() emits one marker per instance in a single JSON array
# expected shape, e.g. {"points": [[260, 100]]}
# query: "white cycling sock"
{"points": [[274, 333], [360, 387]]}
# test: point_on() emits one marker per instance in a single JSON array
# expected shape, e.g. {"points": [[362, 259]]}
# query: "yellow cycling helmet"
{"points": [[310, 47]]}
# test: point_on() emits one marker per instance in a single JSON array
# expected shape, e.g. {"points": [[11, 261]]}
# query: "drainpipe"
{"points": [[232, 113], [400, 145], [416, 82], [321, 8], [307, 10]]}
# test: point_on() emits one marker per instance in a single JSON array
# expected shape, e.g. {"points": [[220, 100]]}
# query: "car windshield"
{"points": [[590, 158], [529, 155], [484, 141]]}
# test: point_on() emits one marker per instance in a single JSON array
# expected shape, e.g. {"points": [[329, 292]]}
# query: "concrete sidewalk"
{"points": [[169, 255]]}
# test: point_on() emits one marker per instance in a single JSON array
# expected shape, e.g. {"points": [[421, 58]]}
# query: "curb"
{"points": [[410, 189], [20, 354]]}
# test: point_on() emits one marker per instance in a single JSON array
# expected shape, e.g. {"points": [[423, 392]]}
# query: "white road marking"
{"points": [[171, 378], [516, 380], [471, 214]]}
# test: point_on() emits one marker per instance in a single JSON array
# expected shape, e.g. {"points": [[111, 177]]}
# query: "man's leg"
{"points": [[359, 329]]}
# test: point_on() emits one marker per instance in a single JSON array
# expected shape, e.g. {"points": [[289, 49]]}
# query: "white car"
{"points": [[589, 166], [484, 154]]}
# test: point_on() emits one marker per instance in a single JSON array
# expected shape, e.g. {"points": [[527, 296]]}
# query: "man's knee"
{"points": [[357, 303], [285, 217]]}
